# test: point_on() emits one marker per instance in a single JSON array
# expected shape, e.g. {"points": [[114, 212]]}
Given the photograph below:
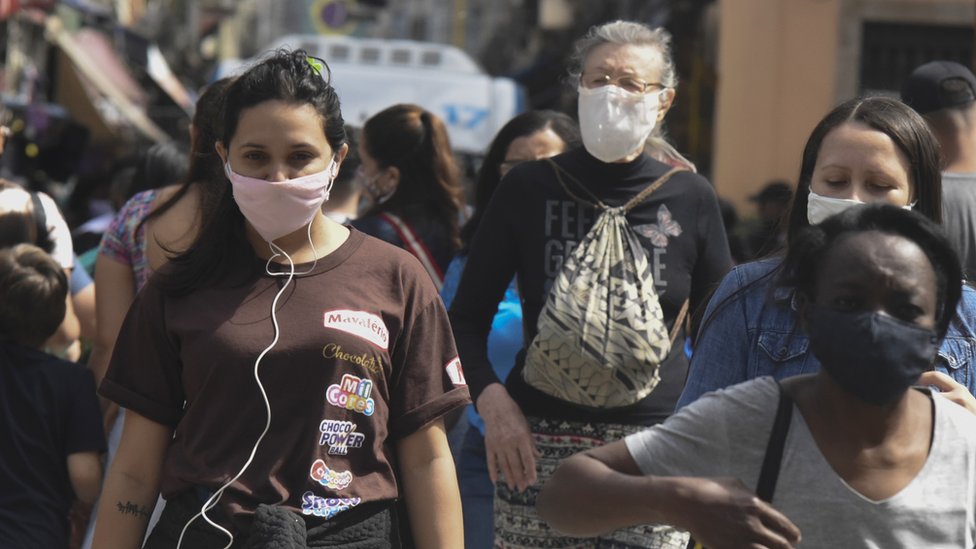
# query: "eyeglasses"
{"points": [[628, 83]]}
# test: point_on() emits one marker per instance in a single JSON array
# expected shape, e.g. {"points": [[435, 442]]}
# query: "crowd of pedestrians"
{"points": [[303, 335]]}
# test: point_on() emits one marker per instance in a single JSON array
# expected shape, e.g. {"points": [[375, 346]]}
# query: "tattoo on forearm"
{"points": [[130, 508]]}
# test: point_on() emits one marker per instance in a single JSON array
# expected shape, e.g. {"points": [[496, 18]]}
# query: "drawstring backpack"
{"points": [[602, 336]]}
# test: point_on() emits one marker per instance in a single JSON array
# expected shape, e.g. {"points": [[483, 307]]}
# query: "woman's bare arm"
{"points": [[603, 490], [431, 490], [132, 484]]}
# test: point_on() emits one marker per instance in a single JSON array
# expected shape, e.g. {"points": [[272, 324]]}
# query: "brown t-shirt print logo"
{"points": [[340, 436], [361, 324], [330, 478], [352, 393], [454, 371]]}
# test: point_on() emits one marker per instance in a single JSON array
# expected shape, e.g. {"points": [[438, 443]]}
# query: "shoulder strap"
{"points": [[40, 219], [766, 486], [641, 196], [415, 246], [593, 200], [596, 202], [774, 453], [679, 321]]}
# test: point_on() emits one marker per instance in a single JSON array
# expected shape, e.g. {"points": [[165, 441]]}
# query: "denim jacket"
{"points": [[755, 334]]}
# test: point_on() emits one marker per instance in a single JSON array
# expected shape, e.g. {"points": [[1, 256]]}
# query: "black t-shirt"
{"points": [[532, 224], [48, 410]]}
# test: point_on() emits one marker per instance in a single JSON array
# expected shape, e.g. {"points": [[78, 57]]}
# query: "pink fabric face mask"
{"points": [[279, 208]]}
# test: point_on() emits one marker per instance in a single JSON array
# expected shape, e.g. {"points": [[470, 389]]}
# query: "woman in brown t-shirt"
{"points": [[285, 374]]}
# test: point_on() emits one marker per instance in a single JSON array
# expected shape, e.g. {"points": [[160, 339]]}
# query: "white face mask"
{"points": [[375, 192], [614, 122], [279, 208], [821, 207]]}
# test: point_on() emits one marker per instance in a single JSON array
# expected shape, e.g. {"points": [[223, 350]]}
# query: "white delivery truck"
{"points": [[372, 74]]}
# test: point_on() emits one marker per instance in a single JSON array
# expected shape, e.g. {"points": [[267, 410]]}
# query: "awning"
{"points": [[158, 69], [112, 97]]}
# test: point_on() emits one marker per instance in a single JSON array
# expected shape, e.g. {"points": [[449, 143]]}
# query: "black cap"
{"points": [[939, 85], [777, 191]]}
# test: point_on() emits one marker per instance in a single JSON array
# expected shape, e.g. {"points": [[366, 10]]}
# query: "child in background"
{"points": [[50, 424]]}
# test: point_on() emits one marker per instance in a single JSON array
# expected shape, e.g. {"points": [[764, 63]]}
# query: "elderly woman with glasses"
{"points": [[626, 82]]}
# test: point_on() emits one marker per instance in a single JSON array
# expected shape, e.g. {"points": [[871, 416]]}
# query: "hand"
{"points": [[950, 389], [78, 516], [509, 447], [723, 513]]}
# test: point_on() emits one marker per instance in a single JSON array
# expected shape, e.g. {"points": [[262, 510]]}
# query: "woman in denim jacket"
{"points": [[865, 150]]}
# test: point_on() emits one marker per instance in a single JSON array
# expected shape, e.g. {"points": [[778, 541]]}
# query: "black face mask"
{"points": [[874, 357]]}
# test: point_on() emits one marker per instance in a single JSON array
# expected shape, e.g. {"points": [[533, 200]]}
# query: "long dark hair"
{"points": [[811, 245], [910, 134], [415, 142], [489, 175], [204, 165], [222, 247]]}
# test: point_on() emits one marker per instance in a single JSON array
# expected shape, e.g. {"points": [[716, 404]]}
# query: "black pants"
{"points": [[369, 526]]}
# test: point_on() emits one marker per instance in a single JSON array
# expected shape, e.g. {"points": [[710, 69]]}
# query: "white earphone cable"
{"points": [[215, 497]]}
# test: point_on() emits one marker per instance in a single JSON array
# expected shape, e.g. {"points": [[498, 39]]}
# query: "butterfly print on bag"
{"points": [[659, 232]]}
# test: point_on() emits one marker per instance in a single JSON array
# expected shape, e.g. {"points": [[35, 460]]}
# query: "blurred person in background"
{"points": [[347, 189], [410, 176], [156, 222], [944, 93], [51, 433], [48, 229], [768, 236], [529, 136], [34, 218], [737, 244]]}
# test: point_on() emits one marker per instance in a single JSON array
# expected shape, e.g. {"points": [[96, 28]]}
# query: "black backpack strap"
{"points": [[769, 473], [40, 220]]}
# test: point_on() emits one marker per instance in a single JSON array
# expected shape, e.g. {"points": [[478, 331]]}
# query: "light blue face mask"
{"points": [[820, 207]]}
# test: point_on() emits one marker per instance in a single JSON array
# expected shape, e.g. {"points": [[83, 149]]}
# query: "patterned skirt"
{"points": [[518, 526]]}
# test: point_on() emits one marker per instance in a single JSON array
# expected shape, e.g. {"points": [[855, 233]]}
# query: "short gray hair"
{"points": [[625, 32]]}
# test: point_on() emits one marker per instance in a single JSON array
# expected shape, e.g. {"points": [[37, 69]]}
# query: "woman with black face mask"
{"points": [[873, 150], [851, 456]]}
